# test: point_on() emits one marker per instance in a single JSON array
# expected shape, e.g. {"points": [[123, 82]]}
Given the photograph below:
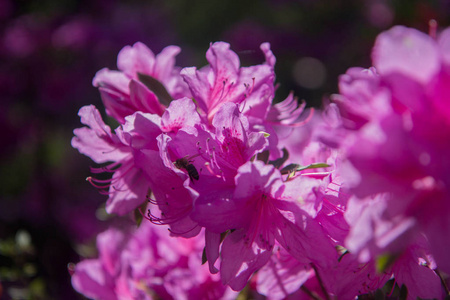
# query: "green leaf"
{"points": [[266, 135], [156, 87], [384, 261], [292, 168], [138, 212]]}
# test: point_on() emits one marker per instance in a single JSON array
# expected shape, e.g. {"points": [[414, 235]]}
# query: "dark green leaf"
{"points": [[403, 292], [156, 87], [263, 156], [204, 258], [280, 161], [385, 261]]}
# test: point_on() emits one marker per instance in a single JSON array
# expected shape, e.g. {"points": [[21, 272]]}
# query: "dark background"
{"points": [[49, 53]]}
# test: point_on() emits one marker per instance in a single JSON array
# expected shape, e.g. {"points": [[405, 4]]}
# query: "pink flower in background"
{"points": [[396, 116], [415, 269], [146, 263]]}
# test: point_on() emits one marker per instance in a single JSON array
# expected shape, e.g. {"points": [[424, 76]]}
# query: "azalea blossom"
{"points": [[288, 201], [146, 263], [123, 92], [127, 188], [397, 136]]}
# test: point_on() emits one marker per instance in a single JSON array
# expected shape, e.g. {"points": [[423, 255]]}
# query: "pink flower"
{"points": [[127, 187], [265, 211], [374, 230], [282, 275], [123, 92], [224, 80], [168, 184], [396, 116], [214, 157], [415, 269], [145, 263], [347, 278]]}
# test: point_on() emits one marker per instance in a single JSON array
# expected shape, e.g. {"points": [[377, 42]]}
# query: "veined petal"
{"points": [[136, 59], [239, 261], [97, 141], [180, 113]]}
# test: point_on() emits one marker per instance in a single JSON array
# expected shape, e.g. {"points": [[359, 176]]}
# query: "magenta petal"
{"points": [[444, 44], [282, 275], [286, 111], [223, 60], [270, 58], [240, 260], [128, 190], [172, 198], [435, 229], [116, 104], [110, 244], [97, 142], [306, 241], [142, 99], [196, 81], [165, 63], [136, 59], [141, 130], [93, 281], [180, 113], [408, 52], [232, 130], [113, 80], [419, 278], [212, 243]]}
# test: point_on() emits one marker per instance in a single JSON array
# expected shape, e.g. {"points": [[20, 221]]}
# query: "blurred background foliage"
{"points": [[49, 53]]}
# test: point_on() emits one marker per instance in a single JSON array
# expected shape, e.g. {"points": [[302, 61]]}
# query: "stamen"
{"points": [[143, 215], [150, 200], [181, 233], [247, 86], [244, 102], [90, 179], [93, 182], [208, 167], [223, 88]]}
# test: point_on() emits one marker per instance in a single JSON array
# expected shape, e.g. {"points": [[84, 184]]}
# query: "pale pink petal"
{"points": [[97, 142], [141, 130], [444, 44], [407, 52], [165, 63], [128, 190], [240, 259], [93, 281], [282, 275], [180, 113], [136, 59]]}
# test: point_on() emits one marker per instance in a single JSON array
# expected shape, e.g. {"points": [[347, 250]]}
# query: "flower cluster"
{"points": [[332, 203]]}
